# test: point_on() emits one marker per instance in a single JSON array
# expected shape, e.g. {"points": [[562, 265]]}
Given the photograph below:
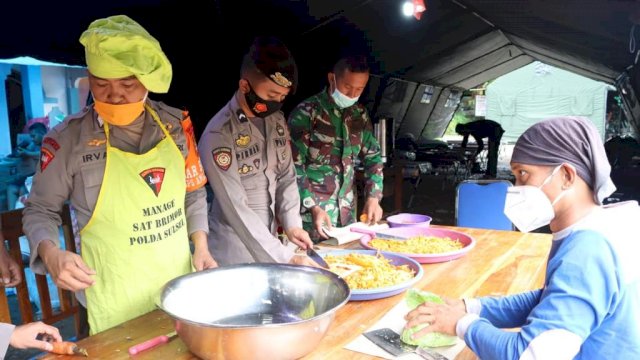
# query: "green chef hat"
{"points": [[117, 47]]}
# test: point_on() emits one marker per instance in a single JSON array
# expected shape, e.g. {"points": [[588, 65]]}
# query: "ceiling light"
{"points": [[414, 8], [407, 8]]}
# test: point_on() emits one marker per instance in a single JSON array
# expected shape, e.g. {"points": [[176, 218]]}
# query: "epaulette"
{"points": [[177, 113], [72, 117], [79, 115]]}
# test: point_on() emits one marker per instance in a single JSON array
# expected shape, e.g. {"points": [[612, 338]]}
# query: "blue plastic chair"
{"points": [[480, 204]]}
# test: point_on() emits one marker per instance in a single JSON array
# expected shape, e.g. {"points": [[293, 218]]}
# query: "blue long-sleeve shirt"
{"points": [[589, 307]]}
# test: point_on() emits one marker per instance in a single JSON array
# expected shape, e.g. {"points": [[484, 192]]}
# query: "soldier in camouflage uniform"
{"points": [[330, 130]]}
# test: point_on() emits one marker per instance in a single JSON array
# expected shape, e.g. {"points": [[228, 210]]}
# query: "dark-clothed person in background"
{"points": [[28, 155], [247, 158], [37, 131], [481, 129]]}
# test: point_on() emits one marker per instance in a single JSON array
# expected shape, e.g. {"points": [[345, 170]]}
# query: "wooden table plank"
{"points": [[503, 262]]}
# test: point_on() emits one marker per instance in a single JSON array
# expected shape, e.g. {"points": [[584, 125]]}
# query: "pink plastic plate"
{"points": [[465, 239]]}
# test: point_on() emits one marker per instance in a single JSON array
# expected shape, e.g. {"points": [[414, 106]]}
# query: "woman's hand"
{"points": [[25, 336]]}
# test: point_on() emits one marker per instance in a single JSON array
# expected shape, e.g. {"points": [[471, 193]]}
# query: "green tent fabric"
{"points": [[523, 97]]}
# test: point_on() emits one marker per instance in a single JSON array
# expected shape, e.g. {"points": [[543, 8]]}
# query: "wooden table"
{"points": [[503, 262]]}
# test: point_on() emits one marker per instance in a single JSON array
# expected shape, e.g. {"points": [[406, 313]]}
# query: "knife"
{"points": [[390, 342], [317, 258]]}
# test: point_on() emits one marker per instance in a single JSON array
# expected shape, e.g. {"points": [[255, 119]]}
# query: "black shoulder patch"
{"points": [[241, 116]]}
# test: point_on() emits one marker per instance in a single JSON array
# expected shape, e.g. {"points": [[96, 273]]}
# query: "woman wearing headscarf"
{"points": [[130, 168], [589, 307]]}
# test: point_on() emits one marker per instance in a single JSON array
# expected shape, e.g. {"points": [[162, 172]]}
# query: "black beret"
{"points": [[272, 58]]}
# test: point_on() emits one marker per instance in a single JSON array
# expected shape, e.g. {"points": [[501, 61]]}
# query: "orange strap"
{"points": [[193, 166]]}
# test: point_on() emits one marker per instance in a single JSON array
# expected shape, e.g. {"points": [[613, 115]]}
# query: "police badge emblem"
{"points": [[154, 178], [222, 157], [96, 142], [243, 140], [45, 158], [280, 79], [245, 169]]}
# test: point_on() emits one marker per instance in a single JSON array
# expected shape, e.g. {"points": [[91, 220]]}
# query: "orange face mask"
{"points": [[121, 114]]}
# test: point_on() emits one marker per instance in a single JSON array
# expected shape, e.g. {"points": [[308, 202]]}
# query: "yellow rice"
{"points": [[375, 271], [418, 245]]}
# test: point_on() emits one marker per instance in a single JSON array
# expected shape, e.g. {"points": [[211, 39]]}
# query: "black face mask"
{"points": [[259, 106]]}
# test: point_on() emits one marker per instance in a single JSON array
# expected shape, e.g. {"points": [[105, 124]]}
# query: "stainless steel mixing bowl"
{"points": [[254, 311]]}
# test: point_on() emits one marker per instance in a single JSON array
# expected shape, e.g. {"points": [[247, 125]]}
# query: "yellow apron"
{"points": [[136, 239]]}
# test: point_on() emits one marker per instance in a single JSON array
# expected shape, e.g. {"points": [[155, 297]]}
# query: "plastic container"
{"points": [[407, 220]]}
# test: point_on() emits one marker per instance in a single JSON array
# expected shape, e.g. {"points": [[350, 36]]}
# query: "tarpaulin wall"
{"points": [[418, 109], [537, 91]]}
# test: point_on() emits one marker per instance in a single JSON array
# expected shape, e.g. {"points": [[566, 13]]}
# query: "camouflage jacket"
{"points": [[327, 140]]}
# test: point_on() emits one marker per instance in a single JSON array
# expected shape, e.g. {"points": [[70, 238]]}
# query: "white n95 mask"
{"points": [[528, 207], [342, 100]]}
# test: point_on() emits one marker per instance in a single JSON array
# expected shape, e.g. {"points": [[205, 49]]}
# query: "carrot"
{"points": [[67, 348], [363, 218], [63, 347]]}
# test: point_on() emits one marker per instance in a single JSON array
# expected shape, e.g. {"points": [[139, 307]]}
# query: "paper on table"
{"points": [[394, 320], [343, 235]]}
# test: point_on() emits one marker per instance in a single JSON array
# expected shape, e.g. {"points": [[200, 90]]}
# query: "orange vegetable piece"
{"points": [[67, 348], [363, 217]]}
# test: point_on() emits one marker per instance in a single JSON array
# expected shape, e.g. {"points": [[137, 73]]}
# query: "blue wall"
{"points": [[32, 91], [5, 136]]}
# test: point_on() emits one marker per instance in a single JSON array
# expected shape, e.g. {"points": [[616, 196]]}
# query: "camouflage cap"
{"points": [[272, 58]]}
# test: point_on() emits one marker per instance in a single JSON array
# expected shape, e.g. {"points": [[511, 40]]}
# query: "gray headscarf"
{"points": [[572, 140]]}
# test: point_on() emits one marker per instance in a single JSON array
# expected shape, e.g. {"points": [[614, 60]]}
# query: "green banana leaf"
{"points": [[414, 299]]}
